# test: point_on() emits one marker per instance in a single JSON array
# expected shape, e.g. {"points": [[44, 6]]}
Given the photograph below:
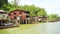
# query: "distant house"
{"points": [[58, 19], [19, 15], [42, 18], [3, 14], [3, 17], [34, 19]]}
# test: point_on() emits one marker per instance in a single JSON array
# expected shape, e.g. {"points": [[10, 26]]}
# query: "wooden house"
{"points": [[3, 14], [42, 19], [19, 15], [35, 19], [3, 18], [58, 19]]}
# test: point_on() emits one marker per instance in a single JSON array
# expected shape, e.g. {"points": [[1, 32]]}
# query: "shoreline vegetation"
{"points": [[29, 24], [25, 29], [34, 11]]}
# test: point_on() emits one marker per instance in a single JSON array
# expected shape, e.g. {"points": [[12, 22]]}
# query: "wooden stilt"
{"points": [[26, 21], [16, 21], [19, 21], [1, 22], [23, 22], [29, 21]]}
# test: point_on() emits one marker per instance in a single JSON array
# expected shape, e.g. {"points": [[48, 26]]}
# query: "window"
{"points": [[9, 14], [20, 12], [14, 13], [27, 16], [14, 17]]}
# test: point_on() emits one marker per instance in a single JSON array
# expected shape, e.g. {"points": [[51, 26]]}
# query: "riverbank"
{"points": [[25, 29], [40, 28]]}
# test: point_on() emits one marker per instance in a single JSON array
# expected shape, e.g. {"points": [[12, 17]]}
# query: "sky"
{"points": [[51, 6]]}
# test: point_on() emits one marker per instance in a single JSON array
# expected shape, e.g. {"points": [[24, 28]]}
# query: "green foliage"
{"points": [[31, 8], [53, 17], [5, 8], [42, 12], [15, 3], [34, 11], [4, 5], [2, 2], [11, 7]]}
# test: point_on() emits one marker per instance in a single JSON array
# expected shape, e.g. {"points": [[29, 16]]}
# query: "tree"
{"points": [[5, 8], [41, 12], [2, 2], [4, 5], [15, 2], [34, 11], [53, 17], [31, 9]]}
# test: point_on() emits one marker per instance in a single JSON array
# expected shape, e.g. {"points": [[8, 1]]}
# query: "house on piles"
{"points": [[19, 16]]}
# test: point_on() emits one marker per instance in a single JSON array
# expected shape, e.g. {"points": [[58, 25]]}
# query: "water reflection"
{"points": [[42, 28], [53, 28]]}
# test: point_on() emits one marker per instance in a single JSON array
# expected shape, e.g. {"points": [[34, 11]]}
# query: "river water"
{"points": [[41, 28], [53, 28]]}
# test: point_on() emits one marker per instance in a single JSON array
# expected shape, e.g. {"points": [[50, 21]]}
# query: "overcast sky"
{"points": [[51, 6]]}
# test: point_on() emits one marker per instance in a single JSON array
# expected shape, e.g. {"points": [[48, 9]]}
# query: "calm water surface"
{"points": [[53, 28], [41, 28]]}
